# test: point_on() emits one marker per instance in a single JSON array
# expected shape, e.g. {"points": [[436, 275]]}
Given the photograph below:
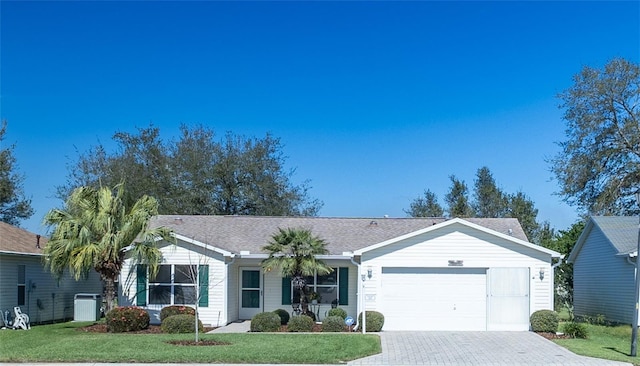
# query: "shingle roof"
{"points": [[622, 231], [16, 240], [251, 233]]}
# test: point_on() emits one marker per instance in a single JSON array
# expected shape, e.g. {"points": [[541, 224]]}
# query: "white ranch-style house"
{"points": [[420, 273]]}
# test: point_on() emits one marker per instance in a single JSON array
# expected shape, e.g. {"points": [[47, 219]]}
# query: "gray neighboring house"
{"points": [[604, 268], [24, 282], [421, 273]]}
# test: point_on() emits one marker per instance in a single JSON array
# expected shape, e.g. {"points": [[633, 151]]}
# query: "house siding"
{"points": [[603, 282], [459, 242], [56, 298]]}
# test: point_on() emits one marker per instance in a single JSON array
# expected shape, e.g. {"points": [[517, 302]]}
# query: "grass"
{"points": [[64, 343], [607, 342]]}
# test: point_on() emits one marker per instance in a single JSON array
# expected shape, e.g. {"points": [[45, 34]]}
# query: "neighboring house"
{"points": [[604, 268], [425, 273], [25, 283]]}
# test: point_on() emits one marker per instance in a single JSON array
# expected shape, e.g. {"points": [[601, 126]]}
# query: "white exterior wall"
{"points": [[475, 248], [52, 308], [603, 283], [187, 254]]}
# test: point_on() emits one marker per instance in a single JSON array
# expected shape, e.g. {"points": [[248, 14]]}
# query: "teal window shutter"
{"points": [[141, 285], [203, 284], [343, 283], [286, 290]]}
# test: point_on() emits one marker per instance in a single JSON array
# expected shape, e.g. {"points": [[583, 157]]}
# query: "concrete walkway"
{"points": [[474, 348], [241, 326]]}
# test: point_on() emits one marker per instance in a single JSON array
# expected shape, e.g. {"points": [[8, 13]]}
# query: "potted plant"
{"points": [[314, 297]]}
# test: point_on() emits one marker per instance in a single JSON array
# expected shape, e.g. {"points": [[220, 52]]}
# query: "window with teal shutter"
{"points": [[203, 284], [141, 285], [286, 291], [343, 283]]}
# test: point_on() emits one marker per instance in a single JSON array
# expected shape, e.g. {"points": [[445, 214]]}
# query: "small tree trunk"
{"points": [[109, 294]]}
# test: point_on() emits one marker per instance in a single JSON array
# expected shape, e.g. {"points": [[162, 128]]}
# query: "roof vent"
{"points": [[177, 221], [38, 241], [373, 223], [510, 231]]}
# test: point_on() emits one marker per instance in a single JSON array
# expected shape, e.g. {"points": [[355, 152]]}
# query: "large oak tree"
{"points": [[599, 166], [197, 173]]}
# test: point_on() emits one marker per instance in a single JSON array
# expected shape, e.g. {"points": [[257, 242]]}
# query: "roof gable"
{"points": [[620, 231], [19, 241], [235, 234], [461, 222]]}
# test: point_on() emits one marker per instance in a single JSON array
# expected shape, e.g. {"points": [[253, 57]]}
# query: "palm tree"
{"points": [[294, 252], [94, 231]]}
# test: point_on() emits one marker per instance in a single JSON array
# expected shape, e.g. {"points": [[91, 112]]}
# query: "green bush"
{"points": [[575, 330], [284, 316], [338, 312], [333, 324], [310, 314], [265, 322], [181, 323], [301, 323], [544, 321], [127, 319], [375, 321], [172, 310]]}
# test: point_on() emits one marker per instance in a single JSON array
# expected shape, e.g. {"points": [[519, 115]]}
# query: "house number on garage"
{"points": [[455, 263]]}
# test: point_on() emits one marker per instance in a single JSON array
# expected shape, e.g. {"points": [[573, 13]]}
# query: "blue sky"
{"points": [[374, 101]]}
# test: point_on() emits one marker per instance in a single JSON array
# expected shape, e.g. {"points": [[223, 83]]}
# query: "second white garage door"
{"points": [[434, 298]]}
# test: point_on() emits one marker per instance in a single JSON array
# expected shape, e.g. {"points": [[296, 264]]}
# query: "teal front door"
{"points": [[250, 292]]}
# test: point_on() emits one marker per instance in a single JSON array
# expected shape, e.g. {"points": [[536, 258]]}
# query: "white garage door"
{"points": [[434, 298]]}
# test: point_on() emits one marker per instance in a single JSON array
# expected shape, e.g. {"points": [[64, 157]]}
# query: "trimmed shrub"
{"points": [[310, 314], [301, 323], [172, 310], [575, 330], [545, 321], [375, 321], [338, 312], [333, 324], [284, 316], [181, 323], [265, 322], [127, 319]]}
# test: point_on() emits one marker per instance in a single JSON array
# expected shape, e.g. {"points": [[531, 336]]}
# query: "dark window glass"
{"points": [[160, 295], [164, 275], [185, 274], [184, 295], [21, 295]]}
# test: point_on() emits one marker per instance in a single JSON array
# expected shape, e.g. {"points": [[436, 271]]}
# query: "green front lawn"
{"points": [[611, 343], [64, 343]]}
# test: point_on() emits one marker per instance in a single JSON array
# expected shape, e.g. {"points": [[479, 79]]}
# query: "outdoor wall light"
{"points": [[369, 272], [541, 274]]}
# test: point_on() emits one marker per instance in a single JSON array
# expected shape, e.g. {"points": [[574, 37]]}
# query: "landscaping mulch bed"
{"points": [[155, 329], [151, 329], [552, 335]]}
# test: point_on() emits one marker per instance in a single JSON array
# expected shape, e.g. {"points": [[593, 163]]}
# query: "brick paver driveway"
{"points": [[474, 348]]}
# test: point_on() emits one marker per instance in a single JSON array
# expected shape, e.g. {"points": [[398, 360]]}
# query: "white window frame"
{"points": [[314, 287], [190, 282]]}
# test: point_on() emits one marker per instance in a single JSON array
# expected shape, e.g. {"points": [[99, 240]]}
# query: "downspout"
{"points": [[358, 287], [553, 277], [226, 302]]}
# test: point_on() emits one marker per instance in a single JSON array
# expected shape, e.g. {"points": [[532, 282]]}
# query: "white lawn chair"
{"points": [[21, 320]]}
